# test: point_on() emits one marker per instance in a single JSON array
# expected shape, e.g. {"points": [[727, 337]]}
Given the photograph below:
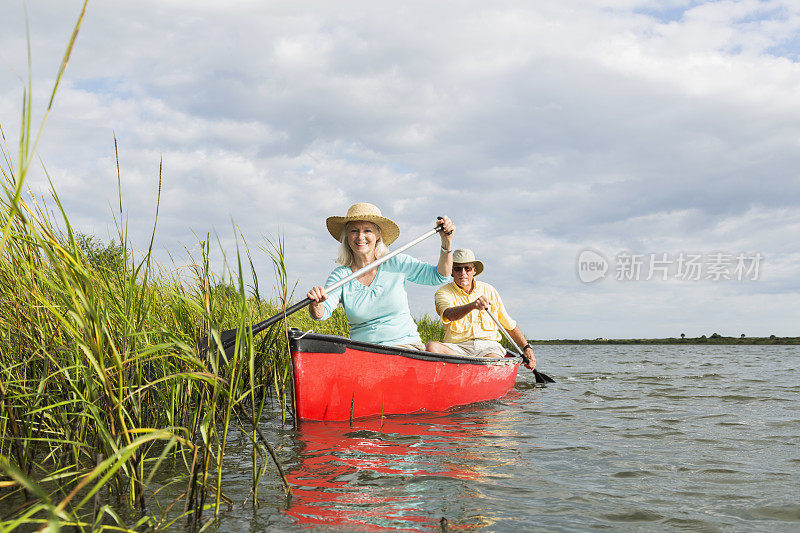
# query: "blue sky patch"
{"points": [[665, 13], [111, 86], [789, 48]]}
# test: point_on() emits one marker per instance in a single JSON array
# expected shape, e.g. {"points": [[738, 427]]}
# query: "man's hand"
{"points": [[481, 303], [528, 351]]}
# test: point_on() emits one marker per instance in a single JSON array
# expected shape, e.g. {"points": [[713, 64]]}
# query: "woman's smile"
{"points": [[362, 237]]}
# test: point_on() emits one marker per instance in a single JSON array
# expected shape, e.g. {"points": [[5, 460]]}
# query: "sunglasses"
{"points": [[464, 268]]}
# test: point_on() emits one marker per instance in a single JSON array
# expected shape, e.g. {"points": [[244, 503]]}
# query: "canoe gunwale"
{"points": [[310, 342]]}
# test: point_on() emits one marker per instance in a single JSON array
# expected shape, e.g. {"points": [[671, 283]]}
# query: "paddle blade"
{"points": [[542, 377], [228, 339]]}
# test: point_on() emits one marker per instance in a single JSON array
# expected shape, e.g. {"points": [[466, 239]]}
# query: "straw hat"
{"points": [[369, 213], [464, 255]]}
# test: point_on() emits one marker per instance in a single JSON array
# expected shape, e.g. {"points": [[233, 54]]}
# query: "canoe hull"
{"points": [[339, 379]]}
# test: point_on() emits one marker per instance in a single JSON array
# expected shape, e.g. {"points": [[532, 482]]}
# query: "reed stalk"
{"points": [[103, 362], [102, 382]]}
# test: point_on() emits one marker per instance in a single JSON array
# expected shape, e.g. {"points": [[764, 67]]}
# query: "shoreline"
{"points": [[714, 339]]}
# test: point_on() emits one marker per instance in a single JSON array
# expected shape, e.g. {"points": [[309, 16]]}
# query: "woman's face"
{"points": [[362, 237]]}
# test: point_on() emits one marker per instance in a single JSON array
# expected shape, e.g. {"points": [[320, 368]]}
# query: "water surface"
{"points": [[630, 438]]}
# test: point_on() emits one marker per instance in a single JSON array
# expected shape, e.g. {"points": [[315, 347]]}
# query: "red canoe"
{"points": [[338, 379]]}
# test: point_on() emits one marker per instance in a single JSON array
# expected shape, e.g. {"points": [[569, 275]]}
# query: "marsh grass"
{"points": [[429, 328], [102, 381]]}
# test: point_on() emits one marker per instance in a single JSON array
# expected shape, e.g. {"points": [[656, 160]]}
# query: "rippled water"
{"points": [[703, 438]]}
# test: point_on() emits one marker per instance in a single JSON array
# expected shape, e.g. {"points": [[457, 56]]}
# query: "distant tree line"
{"points": [[715, 338]]}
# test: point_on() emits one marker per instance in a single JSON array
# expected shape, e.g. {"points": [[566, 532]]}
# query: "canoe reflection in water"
{"points": [[405, 473]]}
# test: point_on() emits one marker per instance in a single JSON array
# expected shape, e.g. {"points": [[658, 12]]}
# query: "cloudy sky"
{"points": [[663, 136]]}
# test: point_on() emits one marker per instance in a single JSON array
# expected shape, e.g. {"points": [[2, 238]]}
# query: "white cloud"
{"points": [[540, 128]]}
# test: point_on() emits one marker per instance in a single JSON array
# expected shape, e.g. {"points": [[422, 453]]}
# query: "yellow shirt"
{"points": [[475, 324]]}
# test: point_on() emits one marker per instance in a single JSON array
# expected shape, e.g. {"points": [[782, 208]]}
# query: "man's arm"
{"points": [[522, 342], [460, 311]]}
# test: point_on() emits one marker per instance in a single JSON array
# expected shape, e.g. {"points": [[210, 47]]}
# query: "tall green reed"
{"points": [[102, 381], [95, 357], [429, 328]]}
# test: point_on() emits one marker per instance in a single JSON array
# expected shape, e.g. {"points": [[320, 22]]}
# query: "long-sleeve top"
{"points": [[379, 313]]}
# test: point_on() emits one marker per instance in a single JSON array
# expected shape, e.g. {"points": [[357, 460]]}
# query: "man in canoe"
{"points": [[468, 330], [376, 303]]}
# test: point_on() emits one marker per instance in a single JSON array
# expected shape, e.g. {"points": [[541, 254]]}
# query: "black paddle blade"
{"points": [[228, 339], [541, 377]]}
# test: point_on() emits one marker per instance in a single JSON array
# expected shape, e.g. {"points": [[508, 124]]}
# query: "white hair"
{"points": [[346, 257]]}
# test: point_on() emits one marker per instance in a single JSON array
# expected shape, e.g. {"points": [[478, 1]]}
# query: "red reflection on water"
{"points": [[371, 476]]}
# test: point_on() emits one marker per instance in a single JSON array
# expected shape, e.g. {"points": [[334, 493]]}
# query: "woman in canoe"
{"points": [[376, 303]]}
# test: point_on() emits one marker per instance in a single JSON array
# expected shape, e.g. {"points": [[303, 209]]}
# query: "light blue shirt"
{"points": [[379, 313]]}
